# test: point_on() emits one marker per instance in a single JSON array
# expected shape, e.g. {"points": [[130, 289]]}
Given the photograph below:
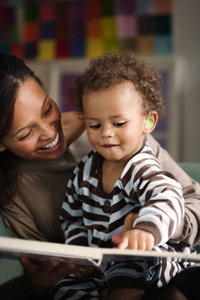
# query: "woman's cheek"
{"points": [[29, 146]]}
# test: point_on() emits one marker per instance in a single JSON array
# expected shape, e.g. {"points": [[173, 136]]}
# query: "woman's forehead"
{"points": [[29, 102]]}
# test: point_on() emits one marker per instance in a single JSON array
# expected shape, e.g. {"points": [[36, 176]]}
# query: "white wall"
{"points": [[187, 46]]}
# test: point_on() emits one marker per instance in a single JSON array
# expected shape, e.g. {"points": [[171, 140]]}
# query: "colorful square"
{"points": [[16, 49], [107, 8], [13, 33], [31, 12], [94, 28], [163, 24], [47, 11], [145, 45], [47, 30], [128, 43], [77, 48], [30, 50], [4, 34], [77, 28], [108, 27], [163, 7], [61, 30], [93, 9], [110, 44], [163, 45], [31, 32], [3, 16], [94, 47], [77, 10], [5, 48], [62, 49], [125, 7], [46, 50], [61, 10], [126, 26], [144, 7], [146, 25]]}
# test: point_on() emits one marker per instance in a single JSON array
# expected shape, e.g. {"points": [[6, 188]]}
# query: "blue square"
{"points": [[77, 29], [47, 30], [77, 48], [163, 45], [144, 7], [5, 48]]}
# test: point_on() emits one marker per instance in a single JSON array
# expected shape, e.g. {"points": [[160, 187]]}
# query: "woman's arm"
{"points": [[73, 127], [189, 229]]}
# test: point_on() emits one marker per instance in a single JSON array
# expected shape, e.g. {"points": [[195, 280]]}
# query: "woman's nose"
{"points": [[47, 131]]}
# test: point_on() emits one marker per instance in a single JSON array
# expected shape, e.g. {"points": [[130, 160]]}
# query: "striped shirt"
{"points": [[91, 216]]}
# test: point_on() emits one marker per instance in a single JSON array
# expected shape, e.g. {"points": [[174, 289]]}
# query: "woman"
{"points": [[38, 151]]}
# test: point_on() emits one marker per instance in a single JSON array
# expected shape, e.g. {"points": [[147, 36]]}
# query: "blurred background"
{"points": [[57, 38]]}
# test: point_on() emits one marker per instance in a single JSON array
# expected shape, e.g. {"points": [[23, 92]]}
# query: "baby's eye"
{"points": [[97, 126], [119, 124]]}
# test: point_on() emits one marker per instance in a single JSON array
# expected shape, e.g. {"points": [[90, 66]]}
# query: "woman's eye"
{"points": [[119, 124], [95, 126], [48, 110], [25, 136]]}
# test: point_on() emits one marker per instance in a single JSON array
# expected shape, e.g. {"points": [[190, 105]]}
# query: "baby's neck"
{"points": [[110, 173]]}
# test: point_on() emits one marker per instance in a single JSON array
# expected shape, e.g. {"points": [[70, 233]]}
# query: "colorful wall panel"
{"points": [[59, 29]]}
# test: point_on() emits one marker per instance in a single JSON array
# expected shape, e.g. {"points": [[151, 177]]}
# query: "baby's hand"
{"points": [[137, 239]]}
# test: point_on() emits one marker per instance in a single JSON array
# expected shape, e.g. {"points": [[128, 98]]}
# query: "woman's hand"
{"points": [[40, 276]]}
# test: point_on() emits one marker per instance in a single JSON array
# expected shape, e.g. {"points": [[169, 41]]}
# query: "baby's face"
{"points": [[115, 121]]}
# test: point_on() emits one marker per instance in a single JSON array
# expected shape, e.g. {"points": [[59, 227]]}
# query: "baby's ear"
{"points": [[151, 122], [2, 147]]}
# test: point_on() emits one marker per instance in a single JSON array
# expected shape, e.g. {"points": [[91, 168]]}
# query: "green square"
{"points": [[13, 34], [128, 43], [110, 44], [107, 7], [30, 13]]}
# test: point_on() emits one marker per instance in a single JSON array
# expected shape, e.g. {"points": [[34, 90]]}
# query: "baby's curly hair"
{"points": [[113, 68]]}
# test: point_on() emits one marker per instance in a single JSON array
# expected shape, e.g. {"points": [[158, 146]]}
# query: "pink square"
{"points": [[126, 26], [47, 11]]}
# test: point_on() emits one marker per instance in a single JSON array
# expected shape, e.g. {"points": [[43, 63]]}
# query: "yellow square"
{"points": [[46, 50], [108, 27], [94, 47]]}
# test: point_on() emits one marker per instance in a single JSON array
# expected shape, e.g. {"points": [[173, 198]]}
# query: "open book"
{"points": [[85, 256]]}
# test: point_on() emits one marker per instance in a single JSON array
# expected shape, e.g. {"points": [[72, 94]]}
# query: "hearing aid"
{"points": [[149, 122]]}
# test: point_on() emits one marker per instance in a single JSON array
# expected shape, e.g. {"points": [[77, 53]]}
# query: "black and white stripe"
{"points": [[91, 217]]}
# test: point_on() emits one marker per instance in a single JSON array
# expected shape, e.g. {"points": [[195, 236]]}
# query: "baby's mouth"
{"points": [[52, 144], [108, 145]]}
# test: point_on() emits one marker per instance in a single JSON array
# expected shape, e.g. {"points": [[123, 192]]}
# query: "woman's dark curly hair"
{"points": [[13, 73], [113, 68]]}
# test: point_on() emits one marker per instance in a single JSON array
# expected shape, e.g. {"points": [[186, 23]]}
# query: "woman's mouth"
{"points": [[52, 144]]}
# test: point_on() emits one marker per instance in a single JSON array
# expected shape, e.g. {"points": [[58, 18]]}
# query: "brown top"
{"points": [[34, 213]]}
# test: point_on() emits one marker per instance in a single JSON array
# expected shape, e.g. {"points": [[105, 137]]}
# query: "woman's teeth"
{"points": [[52, 144]]}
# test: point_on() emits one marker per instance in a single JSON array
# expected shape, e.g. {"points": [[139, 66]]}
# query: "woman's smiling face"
{"points": [[36, 131]]}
